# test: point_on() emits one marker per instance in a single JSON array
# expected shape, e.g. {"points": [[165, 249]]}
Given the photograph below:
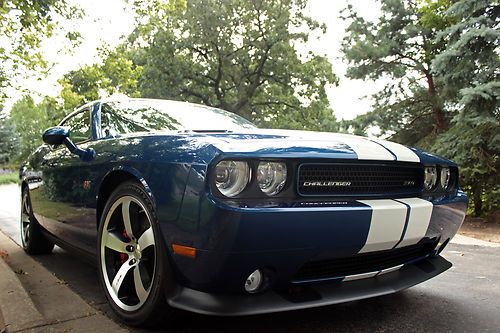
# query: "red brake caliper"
{"points": [[124, 256]]}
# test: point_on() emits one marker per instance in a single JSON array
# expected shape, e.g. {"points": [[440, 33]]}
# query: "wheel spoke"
{"points": [[141, 292], [126, 218], [113, 242], [25, 218], [120, 276], [146, 239], [25, 205], [124, 238], [26, 232]]}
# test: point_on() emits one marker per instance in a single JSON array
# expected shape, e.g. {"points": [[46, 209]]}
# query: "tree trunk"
{"points": [[437, 110], [478, 201]]}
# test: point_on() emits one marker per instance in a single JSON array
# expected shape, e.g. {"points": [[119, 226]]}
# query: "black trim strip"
{"points": [[408, 210], [390, 151]]}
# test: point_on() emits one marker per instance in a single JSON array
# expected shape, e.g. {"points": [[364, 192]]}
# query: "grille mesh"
{"points": [[362, 263], [359, 179]]}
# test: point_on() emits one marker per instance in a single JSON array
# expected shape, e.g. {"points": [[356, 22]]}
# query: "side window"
{"points": [[80, 126]]}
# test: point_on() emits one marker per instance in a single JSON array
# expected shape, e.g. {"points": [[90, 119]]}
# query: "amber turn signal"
{"points": [[184, 250]]}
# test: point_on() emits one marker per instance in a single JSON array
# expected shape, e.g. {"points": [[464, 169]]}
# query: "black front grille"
{"points": [[362, 263], [359, 179]]}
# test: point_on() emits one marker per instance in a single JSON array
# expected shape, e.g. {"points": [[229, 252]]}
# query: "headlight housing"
{"points": [[444, 177], [231, 177], [440, 180], [271, 177], [430, 177]]}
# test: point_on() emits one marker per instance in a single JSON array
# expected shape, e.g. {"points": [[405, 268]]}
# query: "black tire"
{"points": [[154, 308], [32, 238]]}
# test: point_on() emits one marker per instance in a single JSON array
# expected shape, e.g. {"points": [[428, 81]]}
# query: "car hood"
{"points": [[275, 143]]}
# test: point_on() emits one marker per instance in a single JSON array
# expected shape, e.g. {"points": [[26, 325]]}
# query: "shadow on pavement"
{"points": [[417, 309]]}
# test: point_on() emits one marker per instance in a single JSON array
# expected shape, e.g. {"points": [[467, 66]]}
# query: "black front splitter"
{"points": [[313, 296]]}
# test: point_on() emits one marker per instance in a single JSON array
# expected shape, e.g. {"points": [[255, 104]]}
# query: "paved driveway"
{"points": [[466, 298]]}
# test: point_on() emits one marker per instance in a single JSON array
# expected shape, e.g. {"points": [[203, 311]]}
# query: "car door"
{"points": [[64, 198]]}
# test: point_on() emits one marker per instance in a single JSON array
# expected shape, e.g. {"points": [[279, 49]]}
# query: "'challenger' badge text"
{"points": [[327, 184]]}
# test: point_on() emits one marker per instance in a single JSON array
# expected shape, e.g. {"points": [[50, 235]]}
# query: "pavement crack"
{"points": [[55, 322]]}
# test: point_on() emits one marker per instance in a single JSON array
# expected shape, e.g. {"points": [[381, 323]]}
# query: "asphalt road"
{"points": [[466, 298]]}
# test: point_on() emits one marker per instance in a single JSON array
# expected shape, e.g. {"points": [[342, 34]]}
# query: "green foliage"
{"points": [[8, 178], [399, 49], [9, 141], [30, 120], [442, 59], [23, 26], [468, 70], [117, 74], [237, 55]]}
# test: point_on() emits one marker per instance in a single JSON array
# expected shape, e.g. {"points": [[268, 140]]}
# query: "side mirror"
{"points": [[60, 135], [55, 135]]}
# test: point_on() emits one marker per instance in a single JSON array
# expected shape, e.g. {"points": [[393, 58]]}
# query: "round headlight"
{"points": [[430, 178], [444, 177], [231, 177], [271, 177]]}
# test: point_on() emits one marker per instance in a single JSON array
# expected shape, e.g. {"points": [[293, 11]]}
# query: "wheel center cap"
{"points": [[137, 252]]}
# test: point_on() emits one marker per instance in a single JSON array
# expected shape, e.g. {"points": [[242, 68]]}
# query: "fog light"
{"points": [[254, 281]]}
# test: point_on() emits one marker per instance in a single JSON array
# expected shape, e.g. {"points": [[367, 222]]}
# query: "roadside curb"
{"points": [[16, 306], [466, 240], [32, 299]]}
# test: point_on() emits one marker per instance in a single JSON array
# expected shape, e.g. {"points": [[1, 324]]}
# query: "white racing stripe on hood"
{"points": [[374, 149], [386, 225], [418, 222], [368, 150], [254, 145], [364, 148], [402, 153]]}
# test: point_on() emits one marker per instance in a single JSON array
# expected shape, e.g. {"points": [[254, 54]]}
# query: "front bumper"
{"points": [[312, 296], [233, 241]]}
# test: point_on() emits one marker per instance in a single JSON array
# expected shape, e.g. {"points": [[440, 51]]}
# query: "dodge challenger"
{"points": [[184, 206]]}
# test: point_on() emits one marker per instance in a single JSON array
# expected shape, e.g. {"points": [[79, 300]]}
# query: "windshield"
{"points": [[129, 116]]}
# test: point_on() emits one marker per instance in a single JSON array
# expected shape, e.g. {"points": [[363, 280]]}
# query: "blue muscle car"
{"points": [[191, 207]]}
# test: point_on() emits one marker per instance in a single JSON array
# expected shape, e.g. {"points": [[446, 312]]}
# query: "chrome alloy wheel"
{"points": [[25, 219], [128, 253]]}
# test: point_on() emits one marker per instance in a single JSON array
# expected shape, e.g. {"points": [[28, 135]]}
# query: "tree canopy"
{"points": [[30, 120], [399, 48], [441, 59], [117, 74], [436, 62], [9, 141], [23, 26], [241, 56], [469, 74]]}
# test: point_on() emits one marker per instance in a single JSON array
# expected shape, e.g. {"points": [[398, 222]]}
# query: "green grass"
{"points": [[9, 178]]}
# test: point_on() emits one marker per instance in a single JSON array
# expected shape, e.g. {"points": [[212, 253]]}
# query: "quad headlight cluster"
{"points": [[271, 177], [232, 177], [437, 178]]}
